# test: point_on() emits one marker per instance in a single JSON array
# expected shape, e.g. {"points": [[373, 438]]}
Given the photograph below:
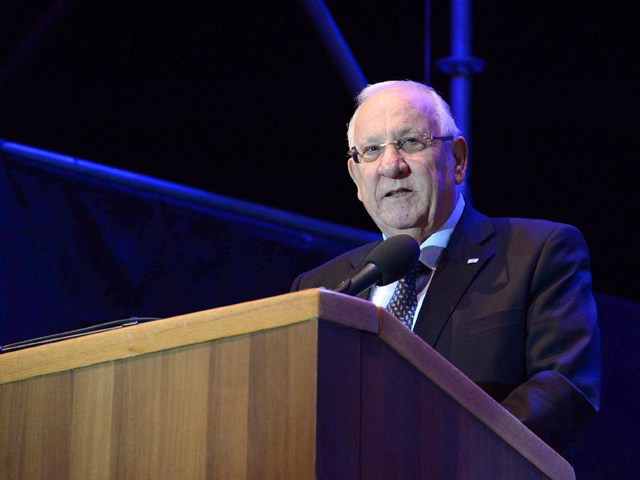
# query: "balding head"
{"points": [[435, 106]]}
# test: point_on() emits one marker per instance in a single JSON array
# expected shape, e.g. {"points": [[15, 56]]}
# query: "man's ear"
{"points": [[460, 151], [355, 174]]}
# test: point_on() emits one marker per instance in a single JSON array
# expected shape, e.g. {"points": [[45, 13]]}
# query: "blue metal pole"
{"points": [[460, 87], [461, 66], [334, 41], [427, 42]]}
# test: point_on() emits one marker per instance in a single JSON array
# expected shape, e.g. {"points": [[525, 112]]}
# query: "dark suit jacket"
{"points": [[511, 306]]}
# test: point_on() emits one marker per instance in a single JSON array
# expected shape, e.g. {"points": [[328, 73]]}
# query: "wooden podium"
{"points": [[307, 385]]}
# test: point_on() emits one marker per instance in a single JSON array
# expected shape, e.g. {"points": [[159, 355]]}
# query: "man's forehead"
{"points": [[392, 112]]}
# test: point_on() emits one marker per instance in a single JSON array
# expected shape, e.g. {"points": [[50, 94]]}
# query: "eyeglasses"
{"points": [[415, 144]]}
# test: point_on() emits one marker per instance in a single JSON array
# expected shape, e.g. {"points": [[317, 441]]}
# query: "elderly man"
{"points": [[508, 301]]}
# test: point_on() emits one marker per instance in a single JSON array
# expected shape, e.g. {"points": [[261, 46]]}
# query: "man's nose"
{"points": [[392, 163]]}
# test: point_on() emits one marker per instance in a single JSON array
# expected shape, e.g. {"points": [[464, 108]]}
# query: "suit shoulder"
{"points": [[333, 271], [539, 233], [534, 226]]}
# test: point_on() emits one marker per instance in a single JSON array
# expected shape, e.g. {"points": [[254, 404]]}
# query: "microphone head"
{"points": [[395, 257]]}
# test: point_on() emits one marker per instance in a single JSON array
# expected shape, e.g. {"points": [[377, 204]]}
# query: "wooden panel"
{"points": [[282, 406], [228, 409], [239, 407], [339, 390], [35, 416], [92, 422], [158, 397]]}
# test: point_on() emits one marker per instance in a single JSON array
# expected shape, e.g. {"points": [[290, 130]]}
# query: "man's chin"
{"points": [[395, 226]]}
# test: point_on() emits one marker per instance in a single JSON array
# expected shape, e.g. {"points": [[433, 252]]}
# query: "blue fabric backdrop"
{"points": [[83, 244]]}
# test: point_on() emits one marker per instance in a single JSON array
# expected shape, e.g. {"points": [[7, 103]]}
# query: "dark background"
{"points": [[243, 99]]}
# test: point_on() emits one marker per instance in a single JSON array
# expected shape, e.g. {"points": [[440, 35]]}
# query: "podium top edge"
{"points": [[188, 329]]}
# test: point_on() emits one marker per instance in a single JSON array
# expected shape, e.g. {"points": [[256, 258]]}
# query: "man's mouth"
{"points": [[397, 192]]}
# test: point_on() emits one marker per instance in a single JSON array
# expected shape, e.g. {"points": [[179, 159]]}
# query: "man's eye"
{"points": [[371, 149], [408, 141]]}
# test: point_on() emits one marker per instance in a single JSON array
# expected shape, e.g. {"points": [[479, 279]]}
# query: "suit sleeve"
{"points": [[563, 356]]}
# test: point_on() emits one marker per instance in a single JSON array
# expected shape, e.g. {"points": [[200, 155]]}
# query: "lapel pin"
{"points": [[472, 260]]}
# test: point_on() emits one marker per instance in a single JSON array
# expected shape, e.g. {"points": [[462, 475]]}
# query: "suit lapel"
{"points": [[356, 260], [461, 261]]}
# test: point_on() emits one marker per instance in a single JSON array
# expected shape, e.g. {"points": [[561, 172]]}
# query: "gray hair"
{"points": [[441, 112]]}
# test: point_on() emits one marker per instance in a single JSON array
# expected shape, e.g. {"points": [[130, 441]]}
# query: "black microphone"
{"points": [[388, 261]]}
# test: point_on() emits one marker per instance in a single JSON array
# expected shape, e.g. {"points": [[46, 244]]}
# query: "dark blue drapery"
{"points": [[83, 244]]}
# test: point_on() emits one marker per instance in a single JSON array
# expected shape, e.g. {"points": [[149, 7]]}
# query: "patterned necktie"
{"points": [[404, 301]]}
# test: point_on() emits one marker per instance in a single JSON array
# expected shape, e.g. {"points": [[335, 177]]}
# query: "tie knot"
{"points": [[418, 269]]}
